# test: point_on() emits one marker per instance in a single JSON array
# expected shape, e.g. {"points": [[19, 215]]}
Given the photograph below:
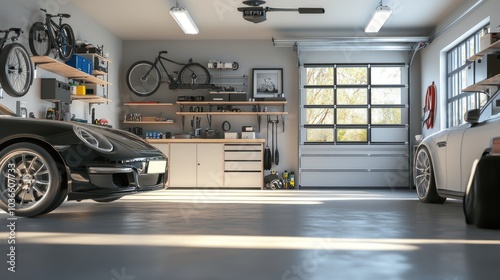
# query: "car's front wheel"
{"points": [[424, 179], [30, 180]]}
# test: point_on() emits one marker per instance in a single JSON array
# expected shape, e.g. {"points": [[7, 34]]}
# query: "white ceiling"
{"points": [[219, 19]]}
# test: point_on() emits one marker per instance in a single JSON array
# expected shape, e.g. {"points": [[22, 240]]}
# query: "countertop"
{"points": [[205, 140]]}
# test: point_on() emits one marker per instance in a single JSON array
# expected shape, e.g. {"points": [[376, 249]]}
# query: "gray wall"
{"points": [[23, 13], [433, 60], [248, 54]]}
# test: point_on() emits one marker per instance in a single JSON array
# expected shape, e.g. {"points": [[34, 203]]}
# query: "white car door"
{"points": [[475, 141], [453, 155]]}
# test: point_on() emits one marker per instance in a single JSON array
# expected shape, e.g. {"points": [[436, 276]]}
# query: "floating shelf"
{"points": [[96, 55], [484, 84], [227, 92], [493, 47], [232, 113], [62, 69], [99, 73], [150, 122], [240, 103], [90, 98], [147, 104]]}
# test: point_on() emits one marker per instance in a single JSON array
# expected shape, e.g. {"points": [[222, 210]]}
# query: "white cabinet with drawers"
{"points": [[213, 163], [243, 166]]}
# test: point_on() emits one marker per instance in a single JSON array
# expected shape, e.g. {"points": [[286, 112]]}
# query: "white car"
{"points": [[443, 160]]}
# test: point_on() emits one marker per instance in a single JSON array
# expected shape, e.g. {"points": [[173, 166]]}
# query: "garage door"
{"points": [[354, 121]]}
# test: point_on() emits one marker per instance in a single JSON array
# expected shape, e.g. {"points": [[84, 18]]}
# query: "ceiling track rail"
{"points": [[351, 43]]}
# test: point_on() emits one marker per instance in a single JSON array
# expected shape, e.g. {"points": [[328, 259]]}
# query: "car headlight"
{"points": [[93, 139]]}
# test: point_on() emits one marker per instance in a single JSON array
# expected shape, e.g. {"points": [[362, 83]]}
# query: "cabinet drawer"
{"points": [[243, 147], [243, 155], [243, 179], [243, 166]]}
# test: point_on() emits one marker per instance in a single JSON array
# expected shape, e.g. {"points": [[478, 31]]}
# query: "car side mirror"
{"points": [[472, 116]]}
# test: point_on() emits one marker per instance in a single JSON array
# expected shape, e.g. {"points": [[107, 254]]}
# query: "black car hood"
{"points": [[125, 138], [60, 133]]}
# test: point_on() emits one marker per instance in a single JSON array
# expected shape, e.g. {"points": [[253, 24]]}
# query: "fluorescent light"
{"points": [[183, 19], [378, 19]]}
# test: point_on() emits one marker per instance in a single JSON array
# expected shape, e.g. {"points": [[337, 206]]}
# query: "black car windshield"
{"points": [[4, 111]]}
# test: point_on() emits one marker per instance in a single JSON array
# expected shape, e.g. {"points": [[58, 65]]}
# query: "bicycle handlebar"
{"points": [[58, 15], [18, 32], [162, 52]]}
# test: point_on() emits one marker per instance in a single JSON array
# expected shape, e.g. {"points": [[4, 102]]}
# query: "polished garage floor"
{"points": [[236, 235]]}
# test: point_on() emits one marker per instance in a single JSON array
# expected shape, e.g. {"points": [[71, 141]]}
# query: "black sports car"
{"points": [[43, 162]]}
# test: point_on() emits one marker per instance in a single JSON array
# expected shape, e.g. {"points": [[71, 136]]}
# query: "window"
{"points": [[460, 74], [344, 104]]}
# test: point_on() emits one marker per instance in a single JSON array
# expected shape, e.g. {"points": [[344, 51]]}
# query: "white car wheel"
{"points": [[425, 182]]}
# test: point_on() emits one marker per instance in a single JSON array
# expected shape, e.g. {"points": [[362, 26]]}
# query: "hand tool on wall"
{"points": [[276, 152], [267, 152], [272, 141]]}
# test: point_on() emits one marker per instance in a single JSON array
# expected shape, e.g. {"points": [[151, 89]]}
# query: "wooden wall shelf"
{"points": [[62, 69]]}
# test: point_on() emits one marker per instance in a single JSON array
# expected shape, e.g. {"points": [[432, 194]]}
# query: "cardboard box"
{"points": [[488, 39], [487, 67]]}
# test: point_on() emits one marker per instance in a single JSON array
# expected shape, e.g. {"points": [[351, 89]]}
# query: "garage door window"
{"points": [[344, 103]]}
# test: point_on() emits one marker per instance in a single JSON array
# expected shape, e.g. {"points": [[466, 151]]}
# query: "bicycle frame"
{"points": [[52, 29], [158, 59]]}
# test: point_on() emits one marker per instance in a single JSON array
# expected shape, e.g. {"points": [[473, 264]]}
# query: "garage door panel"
{"points": [[354, 179], [354, 162]]}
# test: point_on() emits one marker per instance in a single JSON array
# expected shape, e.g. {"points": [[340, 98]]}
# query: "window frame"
{"points": [[457, 63], [403, 106]]}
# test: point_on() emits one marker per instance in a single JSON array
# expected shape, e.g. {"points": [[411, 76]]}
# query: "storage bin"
{"points": [[94, 89], [81, 90], [81, 63]]}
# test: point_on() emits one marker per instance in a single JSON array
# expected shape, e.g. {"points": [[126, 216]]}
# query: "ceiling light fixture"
{"points": [[183, 19], [378, 19]]}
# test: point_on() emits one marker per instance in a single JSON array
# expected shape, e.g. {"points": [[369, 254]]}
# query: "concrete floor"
{"points": [[237, 235]]}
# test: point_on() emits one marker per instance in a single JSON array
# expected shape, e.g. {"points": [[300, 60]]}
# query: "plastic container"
{"points": [[81, 63], [81, 90], [72, 88]]}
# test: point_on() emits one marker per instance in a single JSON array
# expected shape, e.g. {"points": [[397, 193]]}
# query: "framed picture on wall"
{"points": [[267, 82]]}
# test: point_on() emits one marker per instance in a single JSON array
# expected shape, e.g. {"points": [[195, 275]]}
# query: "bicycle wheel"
{"points": [[194, 74], [65, 42], [143, 78], [17, 76], [39, 39]]}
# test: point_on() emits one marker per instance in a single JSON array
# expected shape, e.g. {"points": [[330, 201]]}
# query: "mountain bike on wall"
{"points": [[144, 77], [48, 35], [16, 76]]}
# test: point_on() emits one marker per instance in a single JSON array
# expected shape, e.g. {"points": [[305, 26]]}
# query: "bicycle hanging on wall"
{"points": [[48, 35], [17, 75], [144, 77]]}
